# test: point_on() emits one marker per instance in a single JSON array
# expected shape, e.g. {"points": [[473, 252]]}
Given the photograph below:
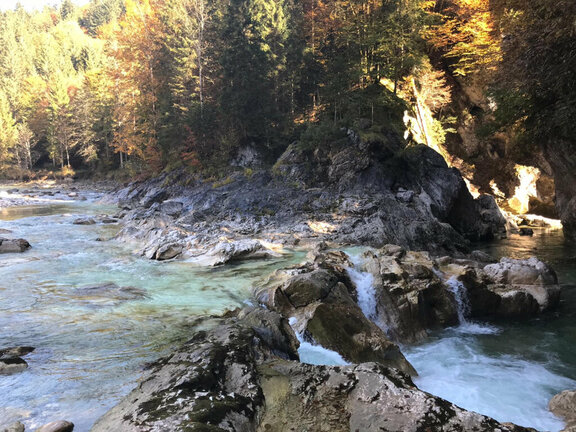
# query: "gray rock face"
{"points": [[13, 245], [410, 295], [212, 383], [238, 377], [562, 160], [355, 192], [564, 406]]}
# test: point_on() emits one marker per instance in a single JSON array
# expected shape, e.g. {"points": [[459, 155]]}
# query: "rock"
{"points": [[235, 376], [84, 221], [355, 338], [171, 208], [405, 196], [168, 251], [228, 251], [5, 231], [16, 351], [13, 245], [366, 397], [410, 296], [57, 426], [523, 231], [319, 294], [12, 365], [15, 427], [563, 405], [73, 194], [211, 383], [531, 271]]}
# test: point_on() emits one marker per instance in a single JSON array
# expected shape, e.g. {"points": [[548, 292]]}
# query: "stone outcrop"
{"points": [[239, 376], [564, 406], [13, 245], [320, 299], [350, 191]]}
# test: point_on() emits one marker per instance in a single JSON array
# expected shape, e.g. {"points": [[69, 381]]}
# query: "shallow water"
{"points": [[509, 371], [91, 345]]}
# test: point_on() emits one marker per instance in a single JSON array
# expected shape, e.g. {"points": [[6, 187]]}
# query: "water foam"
{"points": [[505, 387], [364, 283], [315, 354]]}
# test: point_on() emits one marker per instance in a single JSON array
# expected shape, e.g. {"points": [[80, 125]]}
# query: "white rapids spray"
{"points": [[463, 309], [316, 354], [364, 283]]}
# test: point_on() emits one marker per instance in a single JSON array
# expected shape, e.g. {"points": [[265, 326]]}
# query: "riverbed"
{"points": [[91, 348]]}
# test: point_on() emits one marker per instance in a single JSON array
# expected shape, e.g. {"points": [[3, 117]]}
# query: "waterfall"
{"points": [[313, 353], [461, 297], [364, 283], [463, 309]]}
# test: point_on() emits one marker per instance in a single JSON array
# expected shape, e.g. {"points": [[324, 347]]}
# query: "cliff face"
{"points": [[562, 159]]}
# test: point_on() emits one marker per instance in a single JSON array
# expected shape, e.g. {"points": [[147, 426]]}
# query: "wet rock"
{"points": [[229, 251], [12, 365], [236, 377], [16, 351], [366, 397], [84, 221], [354, 337], [211, 383], [526, 231], [410, 296], [57, 426], [564, 406], [13, 245], [5, 231], [318, 294], [15, 427]]}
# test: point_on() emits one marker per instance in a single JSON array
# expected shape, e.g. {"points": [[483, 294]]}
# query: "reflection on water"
{"points": [[511, 372], [90, 348]]}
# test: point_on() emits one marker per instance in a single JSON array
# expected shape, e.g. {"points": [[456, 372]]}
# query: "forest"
{"points": [[142, 86]]}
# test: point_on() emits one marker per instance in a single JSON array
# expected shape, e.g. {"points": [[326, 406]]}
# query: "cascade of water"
{"points": [[315, 354], [364, 283], [461, 296]]}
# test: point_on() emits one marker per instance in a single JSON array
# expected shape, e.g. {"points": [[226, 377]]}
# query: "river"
{"points": [[91, 348]]}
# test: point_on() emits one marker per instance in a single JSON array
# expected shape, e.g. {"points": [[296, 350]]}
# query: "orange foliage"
{"points": [[468, 35], [134, 43]]}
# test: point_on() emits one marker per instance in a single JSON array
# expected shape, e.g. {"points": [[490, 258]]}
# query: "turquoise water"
{"points": [[90, 348], [509, 370]]}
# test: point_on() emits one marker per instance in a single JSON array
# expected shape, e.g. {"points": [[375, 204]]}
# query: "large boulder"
{"points": [[210, 384], [321, 300], [564, 406], [13, 245], [366, 397], [410, 295], [236, 376]]}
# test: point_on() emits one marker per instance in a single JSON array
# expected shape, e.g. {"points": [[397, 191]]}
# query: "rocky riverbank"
{"points": [[352, 193], [241, 372]]}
